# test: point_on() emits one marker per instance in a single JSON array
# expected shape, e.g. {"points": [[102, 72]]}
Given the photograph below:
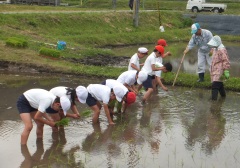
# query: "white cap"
{"points": [[142, 77], [65, 103], [82, 94], [143, 50], [119, 92], [215, 41]]}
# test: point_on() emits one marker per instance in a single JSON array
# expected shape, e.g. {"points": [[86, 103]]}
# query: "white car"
{"points": [[201, 5]]}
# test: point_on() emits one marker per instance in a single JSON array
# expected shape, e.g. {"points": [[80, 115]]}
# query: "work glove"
{"points": [[226, 74]]}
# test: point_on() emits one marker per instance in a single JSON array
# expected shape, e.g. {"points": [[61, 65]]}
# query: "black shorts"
{"points": [[104, 82], [49, 110], [91, 101], [24, 106], [148, 83]]}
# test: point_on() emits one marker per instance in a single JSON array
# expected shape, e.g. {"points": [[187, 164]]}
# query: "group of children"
{"points": [[48, 107]]}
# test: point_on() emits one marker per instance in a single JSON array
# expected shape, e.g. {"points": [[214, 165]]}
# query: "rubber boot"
{"points": [[201, 77]]}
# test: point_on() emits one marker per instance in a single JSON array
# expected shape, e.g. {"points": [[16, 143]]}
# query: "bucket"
{"points": [[61, 45]]}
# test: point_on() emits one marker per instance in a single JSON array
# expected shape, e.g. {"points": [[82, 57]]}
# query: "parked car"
{"points": [[201, 5]]}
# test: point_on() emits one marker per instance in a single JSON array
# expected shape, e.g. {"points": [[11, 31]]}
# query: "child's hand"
{"points": [[165, 88], [76, 116]]}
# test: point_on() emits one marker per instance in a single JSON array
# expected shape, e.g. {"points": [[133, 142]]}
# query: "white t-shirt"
{"points": [[128, 77], [147, 67], [135, 60], [159, 61], [100, 92], [111, 83], [119, 89], [39, 99], [60, 91]]}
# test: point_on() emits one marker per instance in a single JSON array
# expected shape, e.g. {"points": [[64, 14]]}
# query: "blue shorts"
{"points": [[104, 82], [91, 101], [51, 111], [24, 106], [148, 83]]}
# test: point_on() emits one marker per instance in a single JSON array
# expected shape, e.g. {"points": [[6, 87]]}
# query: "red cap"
{"points": [[162, 42], [131, 98], [160, 49]]}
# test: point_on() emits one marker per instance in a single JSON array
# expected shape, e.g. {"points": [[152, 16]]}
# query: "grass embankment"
{"points": [[85, 34]]}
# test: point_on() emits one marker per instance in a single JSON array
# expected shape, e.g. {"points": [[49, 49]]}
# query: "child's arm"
{"points": [[75, 111], [39, 116], [161, 84], [166, 54], [105, 106], [154, 68], [134, 67]]}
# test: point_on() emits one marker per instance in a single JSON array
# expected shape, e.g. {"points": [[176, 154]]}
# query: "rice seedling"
{"points": [[63, 122], [86, 113]]}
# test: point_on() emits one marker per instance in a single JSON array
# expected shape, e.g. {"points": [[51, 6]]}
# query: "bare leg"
{"points": [[154, 83], [39, 130], [40, 125], [96, 114], [55, 117], [27, 120], [147, 95]]}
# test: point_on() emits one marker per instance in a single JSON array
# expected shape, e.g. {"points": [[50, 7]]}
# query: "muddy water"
{"points": [[179, 128]]}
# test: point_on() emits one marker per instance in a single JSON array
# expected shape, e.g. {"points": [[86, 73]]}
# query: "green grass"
{"points": [[86, 33]]}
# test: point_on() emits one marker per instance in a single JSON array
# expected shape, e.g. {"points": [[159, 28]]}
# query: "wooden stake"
{"points": [[178, 69]]}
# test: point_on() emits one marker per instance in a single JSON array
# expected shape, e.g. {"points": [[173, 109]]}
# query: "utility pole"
{"points": [[136, 4], [114, 3]]}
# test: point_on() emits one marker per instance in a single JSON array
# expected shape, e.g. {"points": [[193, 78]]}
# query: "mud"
{"points": [[24, 67], [102, 60]]}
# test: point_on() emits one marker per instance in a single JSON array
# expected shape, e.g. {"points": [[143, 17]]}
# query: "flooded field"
{"points": [[178, 128]]}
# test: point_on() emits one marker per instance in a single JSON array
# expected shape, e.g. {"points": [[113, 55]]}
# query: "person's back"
{"points": [[147, 67], [201, 40], [60, 91], [39, 98], [99, 92], [128, 77]]}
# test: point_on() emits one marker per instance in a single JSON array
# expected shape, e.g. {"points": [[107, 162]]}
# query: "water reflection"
{"points": [[32, 160], [102, 142], [53, 156], [178, 128], [151, 123], [215, 126], [207, 128]]}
